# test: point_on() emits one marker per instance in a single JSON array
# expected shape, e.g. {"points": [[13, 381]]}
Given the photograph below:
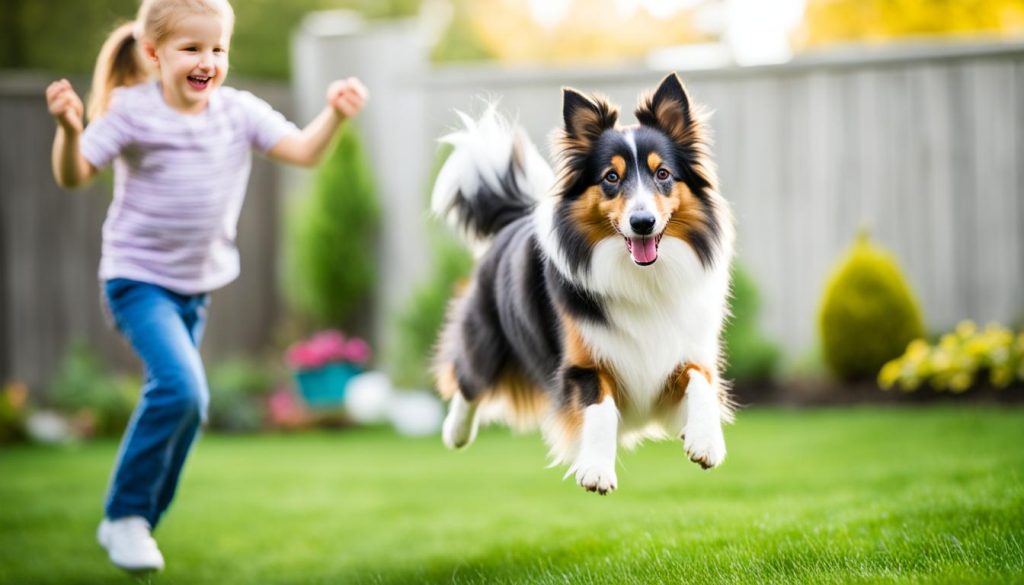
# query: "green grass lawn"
{"points": [[824, 496]]}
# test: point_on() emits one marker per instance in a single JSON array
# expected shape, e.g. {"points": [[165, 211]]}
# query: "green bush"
{"points": [[868, 314], [13, 412], [102, 402], [751, 357], [239, 390], [332, 235], [959, 360], [420, 323]]}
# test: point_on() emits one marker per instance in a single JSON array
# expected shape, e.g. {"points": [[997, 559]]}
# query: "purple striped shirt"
{"points": [[179, 183]]}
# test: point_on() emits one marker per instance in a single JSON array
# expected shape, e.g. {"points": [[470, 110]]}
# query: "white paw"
{"points": [[458, 431], [704, 443], [595, 476]]}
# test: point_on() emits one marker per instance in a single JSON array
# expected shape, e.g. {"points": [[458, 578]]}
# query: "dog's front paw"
{"points": [[595, 476], [704, 444]]}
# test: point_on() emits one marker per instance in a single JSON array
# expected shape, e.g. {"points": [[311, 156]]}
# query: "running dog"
{"points": [[599, 293]]}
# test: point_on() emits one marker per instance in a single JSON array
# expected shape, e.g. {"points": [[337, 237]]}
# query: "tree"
{"points": [[828, 22]]}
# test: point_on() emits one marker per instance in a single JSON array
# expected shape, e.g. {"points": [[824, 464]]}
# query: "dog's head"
{"points": [[639, 184]]}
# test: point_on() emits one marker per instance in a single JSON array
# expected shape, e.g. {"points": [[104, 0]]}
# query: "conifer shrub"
{"points": [[332, 236], [868, 314], [751, 357]]}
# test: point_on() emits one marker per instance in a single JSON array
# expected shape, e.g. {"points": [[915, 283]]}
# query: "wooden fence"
{"points": [[50, 250]]}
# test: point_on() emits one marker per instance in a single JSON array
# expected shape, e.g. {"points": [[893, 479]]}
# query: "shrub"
{"points": [[751, 357], [332, 236], [868, 314], [959, 360], [420, 323], [101, 403], [239, 390], [13, 412]]}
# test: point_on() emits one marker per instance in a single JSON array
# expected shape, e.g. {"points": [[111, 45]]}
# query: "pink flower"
{"points": [[357, 351], [327, 347]]}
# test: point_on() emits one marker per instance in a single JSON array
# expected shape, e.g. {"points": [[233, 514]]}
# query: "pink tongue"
{"points": [[644, 250]]}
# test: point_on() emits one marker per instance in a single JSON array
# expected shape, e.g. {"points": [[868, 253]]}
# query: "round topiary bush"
{"points": [[868, 314]]}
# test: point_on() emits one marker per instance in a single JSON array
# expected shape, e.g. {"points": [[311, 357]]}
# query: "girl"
{"points": [[180, 145]]}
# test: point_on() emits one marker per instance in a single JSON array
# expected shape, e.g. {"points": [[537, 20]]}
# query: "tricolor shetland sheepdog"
{"points": [[599, 293]]}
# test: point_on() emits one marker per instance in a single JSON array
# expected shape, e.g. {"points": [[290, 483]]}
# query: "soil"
{"points": [[826, 392]]}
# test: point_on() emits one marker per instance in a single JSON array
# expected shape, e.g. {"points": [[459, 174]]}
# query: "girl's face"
{"points": [[193, 61]]}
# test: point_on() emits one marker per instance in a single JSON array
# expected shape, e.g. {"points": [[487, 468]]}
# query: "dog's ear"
{"points": [[668, 109], [586, 119]]}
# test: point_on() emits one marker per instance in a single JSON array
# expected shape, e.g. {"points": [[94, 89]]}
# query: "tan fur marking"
{"points": [[523, 402], [687, 215], [619, 165], [578, 355], [653, 161], [447, 384], [670, 116], [675, 388], [708, 375], [596, 215]]}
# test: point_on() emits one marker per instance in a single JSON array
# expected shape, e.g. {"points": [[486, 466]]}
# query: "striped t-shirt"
{"points": [[179, 183]]}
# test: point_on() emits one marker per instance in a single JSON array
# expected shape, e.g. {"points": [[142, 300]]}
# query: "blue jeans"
{"points": [[164, 328]]}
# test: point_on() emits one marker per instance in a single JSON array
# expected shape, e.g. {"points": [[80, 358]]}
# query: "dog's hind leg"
{"points": [[460, 426]]}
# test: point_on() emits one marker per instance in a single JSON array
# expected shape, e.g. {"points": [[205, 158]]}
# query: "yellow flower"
{"points": [[960, 382], [966, 328], [889, 374], [917, 349]]}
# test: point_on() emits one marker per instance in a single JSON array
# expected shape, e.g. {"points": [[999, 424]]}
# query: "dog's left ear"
{"points": [[668, 109]]}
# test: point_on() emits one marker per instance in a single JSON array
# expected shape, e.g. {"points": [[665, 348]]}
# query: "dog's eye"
{"points": [[612, 177], [662, 174]]}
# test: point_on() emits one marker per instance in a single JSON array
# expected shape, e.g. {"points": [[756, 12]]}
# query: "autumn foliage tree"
{"points": [[828, 22]]}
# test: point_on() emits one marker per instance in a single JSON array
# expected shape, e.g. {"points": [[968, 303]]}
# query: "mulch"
{"points": [[827, 392]]}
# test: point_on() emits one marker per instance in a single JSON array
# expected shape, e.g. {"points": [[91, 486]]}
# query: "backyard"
{"points": [[866, 494]]}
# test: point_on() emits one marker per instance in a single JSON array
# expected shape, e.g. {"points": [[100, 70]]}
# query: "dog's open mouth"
{"points": [[198, 82], [643, 249]]}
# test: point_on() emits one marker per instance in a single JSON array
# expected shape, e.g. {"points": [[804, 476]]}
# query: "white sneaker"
{"points": [[130, 544]]}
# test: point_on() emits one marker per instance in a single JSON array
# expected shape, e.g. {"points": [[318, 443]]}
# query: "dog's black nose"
{"points": [[642, 222]]}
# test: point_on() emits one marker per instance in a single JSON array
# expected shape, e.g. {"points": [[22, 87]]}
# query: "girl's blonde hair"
{"points": [[121, 62]]}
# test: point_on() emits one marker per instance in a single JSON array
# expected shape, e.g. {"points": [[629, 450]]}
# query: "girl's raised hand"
{"points": [[65, 105], [347, 96]]}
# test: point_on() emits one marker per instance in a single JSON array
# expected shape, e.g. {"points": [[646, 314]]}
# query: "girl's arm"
{"points": [[344, 100], [70, 168]]}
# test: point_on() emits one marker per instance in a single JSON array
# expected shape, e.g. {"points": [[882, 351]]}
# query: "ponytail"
{"points": [[119, 64]]}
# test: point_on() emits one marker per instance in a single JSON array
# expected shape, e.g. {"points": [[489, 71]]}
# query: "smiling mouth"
{"points": [[643, 249], [198, 82]]}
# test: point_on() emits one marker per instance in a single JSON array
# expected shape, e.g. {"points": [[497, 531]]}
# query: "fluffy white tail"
{"points": [[493, 176]]}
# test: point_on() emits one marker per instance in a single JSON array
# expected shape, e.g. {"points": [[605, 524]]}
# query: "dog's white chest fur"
{"points": [[658, 317]]}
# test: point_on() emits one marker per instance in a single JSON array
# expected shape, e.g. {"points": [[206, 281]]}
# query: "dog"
{"points": [[599, 293]]}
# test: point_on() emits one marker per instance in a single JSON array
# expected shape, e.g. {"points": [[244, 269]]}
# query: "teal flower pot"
{"points": [[325, 386]]}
